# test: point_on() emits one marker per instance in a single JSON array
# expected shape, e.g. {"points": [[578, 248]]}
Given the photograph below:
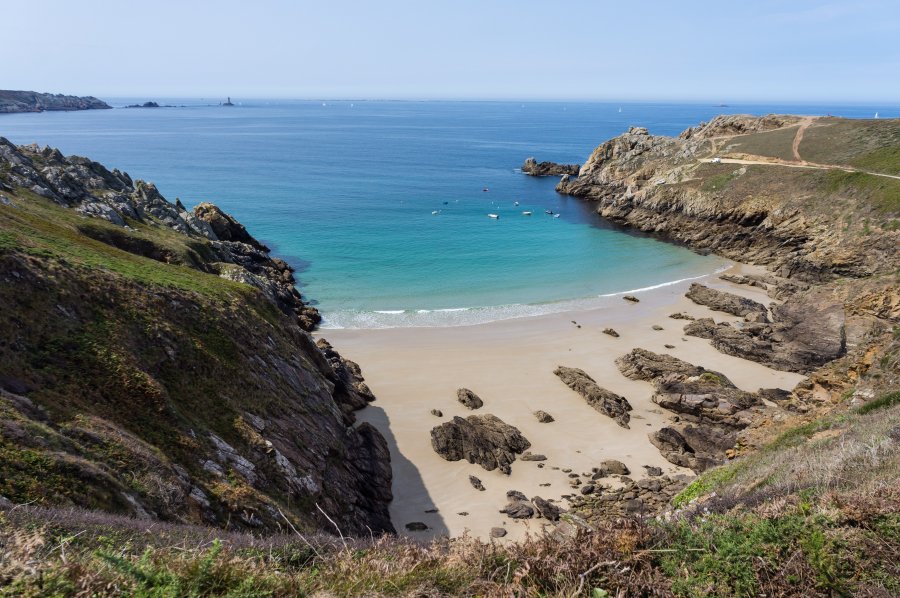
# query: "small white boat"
{"points": [[548, 212], [494, 216], [526, 213], [517, 203], [556, 215], [435, 212]]}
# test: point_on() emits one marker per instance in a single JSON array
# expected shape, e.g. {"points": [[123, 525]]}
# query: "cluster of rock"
{"points": [[534, 168], [604, 401], [644, 498], [31, 101], [519, 507], [711, 410], [483, 439], [805, 332], [92, 190]]}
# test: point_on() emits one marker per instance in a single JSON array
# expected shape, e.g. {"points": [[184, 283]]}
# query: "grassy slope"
{"points": [[814, 513], [106, 338]]}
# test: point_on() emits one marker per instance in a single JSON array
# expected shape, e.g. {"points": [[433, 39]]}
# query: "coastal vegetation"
{"points": [[168, 427]]}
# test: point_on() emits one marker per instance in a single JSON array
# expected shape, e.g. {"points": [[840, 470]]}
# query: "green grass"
{"points": [[882, 193], [882, 402], [886, 160], [706, 483], [717, 182], [775, 144]]}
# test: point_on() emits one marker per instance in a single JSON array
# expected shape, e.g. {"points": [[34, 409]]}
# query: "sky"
{"points": [[689, 50]]}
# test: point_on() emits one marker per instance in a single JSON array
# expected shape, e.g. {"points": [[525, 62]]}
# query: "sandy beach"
{"points": [[510, 364]]}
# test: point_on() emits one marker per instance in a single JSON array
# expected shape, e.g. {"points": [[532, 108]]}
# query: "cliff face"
{"points": [[30, 101], [815, 200], [808, 223], [155, 361]]}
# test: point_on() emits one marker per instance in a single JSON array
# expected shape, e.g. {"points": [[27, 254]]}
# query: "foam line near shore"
{"points": [[472, 316]]}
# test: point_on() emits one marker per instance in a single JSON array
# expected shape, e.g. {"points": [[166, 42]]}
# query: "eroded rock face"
{"points": [[730, 303], [806, 332], [482, 439], [534, 168], [604, 401], [350, 390]]}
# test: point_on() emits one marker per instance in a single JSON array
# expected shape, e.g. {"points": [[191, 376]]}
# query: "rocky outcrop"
{"points": [[31, 101], [163, 389], [604, 401], [711, 410], [217, 243], [482, 439], [726, 302], [534, 168], [806, 332], [737, 124], [662, 185], [350, 390], [641, 364]]}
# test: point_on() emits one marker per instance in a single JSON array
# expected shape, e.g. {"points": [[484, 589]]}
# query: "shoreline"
{"points": [[549, 308], [509, 363]]}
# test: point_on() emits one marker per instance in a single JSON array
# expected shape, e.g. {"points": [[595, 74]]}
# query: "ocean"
{"points": [[382, 206]]}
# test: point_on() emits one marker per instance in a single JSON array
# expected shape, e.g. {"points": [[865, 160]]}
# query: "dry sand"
{"points": [[510, 364]]}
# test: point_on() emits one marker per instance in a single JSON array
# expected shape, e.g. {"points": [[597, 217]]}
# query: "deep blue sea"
{"points": [[346, 192]]}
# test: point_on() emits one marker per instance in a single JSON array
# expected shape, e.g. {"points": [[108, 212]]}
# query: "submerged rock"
{"points": [[611, 332]]}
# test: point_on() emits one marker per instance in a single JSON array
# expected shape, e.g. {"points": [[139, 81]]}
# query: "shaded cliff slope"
{"points": [[155, 362]]}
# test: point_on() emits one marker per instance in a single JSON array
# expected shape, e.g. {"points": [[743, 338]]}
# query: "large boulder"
{"points": [[604, 401], [482, 439]]}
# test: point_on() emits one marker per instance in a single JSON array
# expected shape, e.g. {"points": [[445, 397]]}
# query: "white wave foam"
{"points": [[468, 316], [664, 284]]}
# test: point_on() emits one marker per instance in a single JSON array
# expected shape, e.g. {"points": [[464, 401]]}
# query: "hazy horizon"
{"points": [[695, 51]]}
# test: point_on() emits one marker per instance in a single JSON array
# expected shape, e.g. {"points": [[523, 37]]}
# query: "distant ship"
{"points": [[228, 102]]}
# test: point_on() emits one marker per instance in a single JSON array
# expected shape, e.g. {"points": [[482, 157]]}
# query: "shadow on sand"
{"points": [[407, 485]]}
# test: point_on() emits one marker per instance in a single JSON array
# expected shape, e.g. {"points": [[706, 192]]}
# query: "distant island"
{"points": [[32, 101], [151, 105]]}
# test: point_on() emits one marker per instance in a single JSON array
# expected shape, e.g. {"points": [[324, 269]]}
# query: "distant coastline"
{"points": [[12, 102]]}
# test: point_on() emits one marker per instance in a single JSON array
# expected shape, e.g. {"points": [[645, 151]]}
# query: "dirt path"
{"points": [[810, 165], [795, 146]]}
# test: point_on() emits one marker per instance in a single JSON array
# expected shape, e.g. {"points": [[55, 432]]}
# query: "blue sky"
{"points": [[489, 49]]}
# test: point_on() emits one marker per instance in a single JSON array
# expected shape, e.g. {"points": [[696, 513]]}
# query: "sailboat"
{"points": [[876, 115]]}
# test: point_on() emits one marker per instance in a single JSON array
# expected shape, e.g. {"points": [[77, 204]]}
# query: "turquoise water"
{"points": [[345, 192]]}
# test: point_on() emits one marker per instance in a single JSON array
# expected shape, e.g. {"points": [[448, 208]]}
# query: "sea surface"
{"points": [[382, 206]]}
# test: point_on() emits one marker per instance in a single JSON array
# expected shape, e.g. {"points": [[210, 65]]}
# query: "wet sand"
{"points": [[510, 364]]}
